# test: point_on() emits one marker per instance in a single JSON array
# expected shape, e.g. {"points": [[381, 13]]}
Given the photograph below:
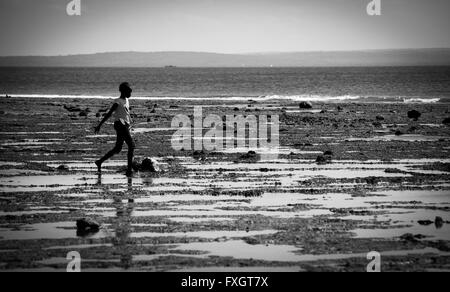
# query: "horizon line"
{"points": [[218, 53]]}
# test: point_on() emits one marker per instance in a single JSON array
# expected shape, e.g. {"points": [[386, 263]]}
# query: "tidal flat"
{"points": [[384, 187]]}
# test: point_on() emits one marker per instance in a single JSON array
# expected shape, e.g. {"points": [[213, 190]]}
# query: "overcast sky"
{"points": [[42, 27]]}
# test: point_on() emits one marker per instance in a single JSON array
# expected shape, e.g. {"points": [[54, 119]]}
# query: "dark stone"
{"points": [[236, 109], [306, 105], [323, 159], [251, 240], [438, 222], [415, 115], [372, 180], [198, 153], [249, 155], [328, 152], [83, 114], [425, 222], [380, 118], [409, 237], [63, 167], [398, 133], [446, 121], [72, 109], [339, 108], [86, 226], [392, 170], [149, 165]]}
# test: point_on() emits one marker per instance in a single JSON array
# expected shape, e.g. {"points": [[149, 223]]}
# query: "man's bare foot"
{"points": [[99, 165]]}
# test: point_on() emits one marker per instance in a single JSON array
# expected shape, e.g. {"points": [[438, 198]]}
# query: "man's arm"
{"points": [[106, 117]]}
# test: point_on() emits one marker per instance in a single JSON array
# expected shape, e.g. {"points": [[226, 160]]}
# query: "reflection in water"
{"points": [[122, 225], [99, 179], [147, 181]]}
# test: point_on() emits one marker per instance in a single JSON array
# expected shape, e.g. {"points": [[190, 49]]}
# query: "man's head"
{"points": [[125, 90]]}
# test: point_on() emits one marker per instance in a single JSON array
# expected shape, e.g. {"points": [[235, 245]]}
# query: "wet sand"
{"points": [[216, 212]]}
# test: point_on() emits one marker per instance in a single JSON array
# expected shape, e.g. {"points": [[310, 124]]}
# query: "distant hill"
{"points": [[404, 57]]}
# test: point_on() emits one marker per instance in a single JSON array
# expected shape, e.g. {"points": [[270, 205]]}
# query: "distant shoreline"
{"points": [[367, 58]]}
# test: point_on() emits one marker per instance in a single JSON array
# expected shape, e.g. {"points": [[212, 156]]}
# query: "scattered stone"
{"points": [[306, 105], [236, 109], [443, 245], [446, 121], [380, 118], [438, 222], [372, 180], [323, 159], [63, 167], [415, 115], [130, 200], [393, 170], [398, 133], [339, 108], [198, 153], [149, 165], [221, 239], [249, 155], [72, 109], [425, 222], [411, 237], [86, 226], [328, 152], [251, 240]]}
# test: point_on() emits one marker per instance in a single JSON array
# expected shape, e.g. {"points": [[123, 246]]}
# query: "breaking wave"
{"points": [[296, 98]]}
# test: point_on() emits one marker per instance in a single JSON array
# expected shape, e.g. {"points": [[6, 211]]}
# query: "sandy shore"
{"points": [[217, 212]]}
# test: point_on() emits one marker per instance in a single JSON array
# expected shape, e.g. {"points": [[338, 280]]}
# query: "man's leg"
{"points": [[116, 150], [131, 146]]}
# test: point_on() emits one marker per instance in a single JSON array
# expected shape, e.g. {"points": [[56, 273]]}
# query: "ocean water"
{"points": [[385, 84]]}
